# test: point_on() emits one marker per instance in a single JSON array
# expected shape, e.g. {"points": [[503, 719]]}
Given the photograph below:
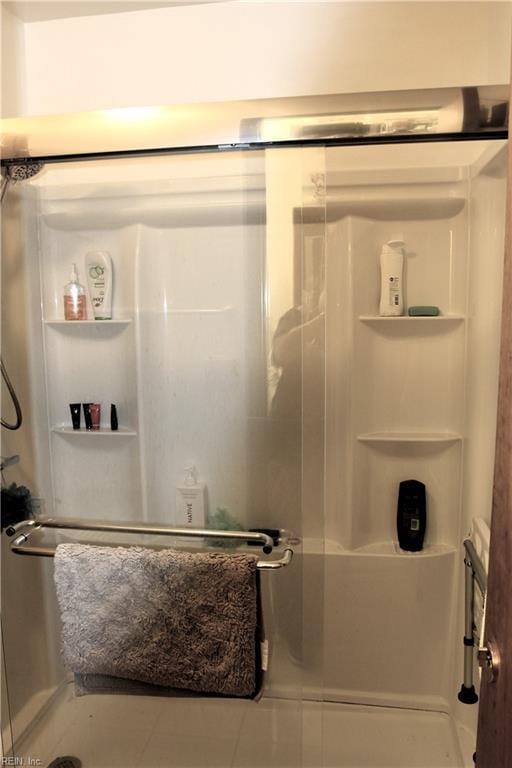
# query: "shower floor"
{"points": [[124, 732]]}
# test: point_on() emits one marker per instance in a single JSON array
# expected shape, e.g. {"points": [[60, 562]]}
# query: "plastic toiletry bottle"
{"points": [[98, 265], [391, 279], [87, 416], [75, 305], [190, 501], [95, 411], [114, 423]]}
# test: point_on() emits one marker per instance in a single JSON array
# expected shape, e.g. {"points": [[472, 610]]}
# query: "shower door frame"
{"points": [[494, 743], [242, 128], [409, 116]]}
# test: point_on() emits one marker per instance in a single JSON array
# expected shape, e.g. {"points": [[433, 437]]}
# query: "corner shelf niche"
{"points": [[391, 549], [90, 360], [400, 378]]}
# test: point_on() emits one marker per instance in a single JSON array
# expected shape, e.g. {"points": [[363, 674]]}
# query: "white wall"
{"points": [[239, 50], [12, 64]]}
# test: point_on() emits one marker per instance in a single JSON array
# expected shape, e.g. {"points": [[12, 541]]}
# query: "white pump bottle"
{"points": [[190, 501], [391, 279]]}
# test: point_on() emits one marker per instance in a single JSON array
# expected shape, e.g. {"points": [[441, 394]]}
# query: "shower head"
{"points": [[23, 171], [18, 172]]}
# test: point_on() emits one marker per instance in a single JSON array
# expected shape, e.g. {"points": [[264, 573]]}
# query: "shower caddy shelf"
{"points": [[102, 432], [423, 322], [406, 319], [86, 323]]}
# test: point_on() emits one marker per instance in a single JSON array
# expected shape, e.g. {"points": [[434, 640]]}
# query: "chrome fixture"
{"points": [[475, 571], [489, 661], [26, 528], [15, 172]]}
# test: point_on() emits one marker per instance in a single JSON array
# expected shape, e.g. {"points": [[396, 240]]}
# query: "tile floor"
{"points": [[124, 732]]}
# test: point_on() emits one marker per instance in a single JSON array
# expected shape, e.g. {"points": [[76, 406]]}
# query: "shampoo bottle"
{"points": [[190, 501], [391, 279], [98, 265], [75, 307]]}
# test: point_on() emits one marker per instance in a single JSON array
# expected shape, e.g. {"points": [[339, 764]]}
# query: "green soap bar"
{"points": [[423, 311]]}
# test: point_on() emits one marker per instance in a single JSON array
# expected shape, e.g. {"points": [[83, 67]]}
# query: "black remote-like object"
{"points": [[411, 517]]}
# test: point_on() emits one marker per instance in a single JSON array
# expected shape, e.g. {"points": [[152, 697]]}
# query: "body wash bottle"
{"points": [[75, 306], [391, 279], [98, 265], [190, 501]]}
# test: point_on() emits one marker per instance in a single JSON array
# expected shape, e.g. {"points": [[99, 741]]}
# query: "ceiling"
{"points": [[61, 9]]}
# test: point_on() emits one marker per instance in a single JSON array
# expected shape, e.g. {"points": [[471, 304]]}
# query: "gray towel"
{"points": [[167, 618], [94, 684]]}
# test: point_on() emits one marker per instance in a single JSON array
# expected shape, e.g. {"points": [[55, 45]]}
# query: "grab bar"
{"points": [[473, 561], [475, 571], [32, 526]]}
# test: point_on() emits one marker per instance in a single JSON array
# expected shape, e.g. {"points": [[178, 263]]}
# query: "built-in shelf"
{"points": [[70, 323], [222, 208], [409, 437], [391, 549], [103, 432], [406, 319], [379, 205], [382, 548], [199, 311]]}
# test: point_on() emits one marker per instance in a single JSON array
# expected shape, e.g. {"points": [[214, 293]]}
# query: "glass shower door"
{"points": [[214, 359]]}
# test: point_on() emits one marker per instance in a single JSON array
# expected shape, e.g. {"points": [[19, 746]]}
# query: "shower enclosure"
{"points": [[246, 341]]}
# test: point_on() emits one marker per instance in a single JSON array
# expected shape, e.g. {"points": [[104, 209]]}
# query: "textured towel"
{"points": [[94, 684], [168, 618]]}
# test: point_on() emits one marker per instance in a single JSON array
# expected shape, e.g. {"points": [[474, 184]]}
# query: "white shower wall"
{"points": [[187, 287], [488, 188], [29, 627], [407, 398], [194, 304], [186, 359]]}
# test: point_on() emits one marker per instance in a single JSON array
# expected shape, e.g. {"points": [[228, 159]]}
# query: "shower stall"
{"points": [[246, 341]]}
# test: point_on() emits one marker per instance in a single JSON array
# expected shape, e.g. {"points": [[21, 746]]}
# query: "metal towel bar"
{"points": [[26, 528]]}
